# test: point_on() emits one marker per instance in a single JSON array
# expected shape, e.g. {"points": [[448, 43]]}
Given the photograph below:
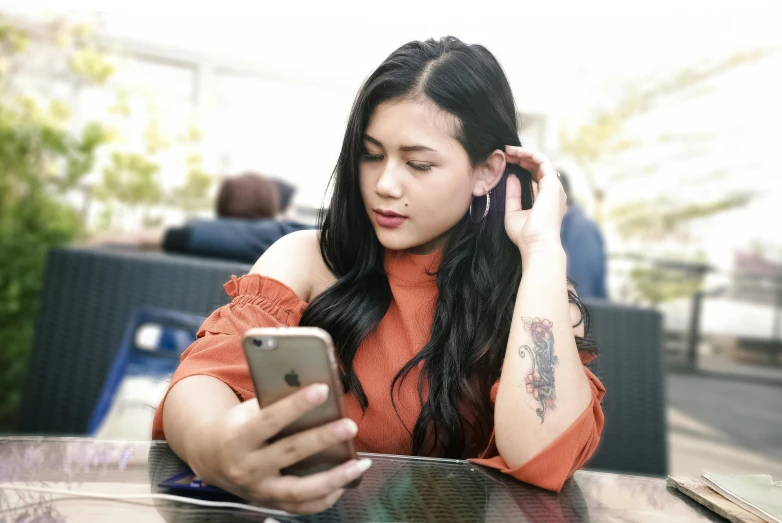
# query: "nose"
{"points": [[389, 185]]}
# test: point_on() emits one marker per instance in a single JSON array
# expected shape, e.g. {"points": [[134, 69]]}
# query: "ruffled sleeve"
{"points": [[565, 455], [258, 301]]}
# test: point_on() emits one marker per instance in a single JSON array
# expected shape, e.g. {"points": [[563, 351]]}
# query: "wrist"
{"points": [[548, 249]]}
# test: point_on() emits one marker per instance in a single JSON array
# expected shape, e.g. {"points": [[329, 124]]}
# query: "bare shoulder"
{"points": [[295, 260]]}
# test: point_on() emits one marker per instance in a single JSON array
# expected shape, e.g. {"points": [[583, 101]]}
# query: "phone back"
{"points": [[283, 360]]}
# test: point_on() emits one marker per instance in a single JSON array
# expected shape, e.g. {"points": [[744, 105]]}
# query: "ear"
{"points": [[489, 173]]}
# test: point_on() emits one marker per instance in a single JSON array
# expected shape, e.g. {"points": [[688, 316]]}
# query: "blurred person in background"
{"points": [[248, 196], [583, 244], [434, 273], [286, 195], [250, 209]]}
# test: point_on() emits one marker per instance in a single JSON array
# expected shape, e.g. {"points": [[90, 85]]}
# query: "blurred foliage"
{"points": [[90, 63], [606, 138], [44, 160], [130, 178], [656, 285], [193, 195], [662, 281], [658, 218], [121, 106], [154, 137], [41, 160], [605, 135]]}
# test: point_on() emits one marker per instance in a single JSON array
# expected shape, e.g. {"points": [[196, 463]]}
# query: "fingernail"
{"points": [[317, 393], [359, 467], [346, 429]]}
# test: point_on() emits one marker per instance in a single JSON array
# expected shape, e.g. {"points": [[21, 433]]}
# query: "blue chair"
{"points": [[177, 331]]}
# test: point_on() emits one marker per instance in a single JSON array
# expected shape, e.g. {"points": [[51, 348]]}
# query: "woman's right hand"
{"points": [[235, 454]]}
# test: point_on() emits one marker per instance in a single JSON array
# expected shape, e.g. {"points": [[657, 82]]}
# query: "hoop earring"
{"points": [[485, 211]]}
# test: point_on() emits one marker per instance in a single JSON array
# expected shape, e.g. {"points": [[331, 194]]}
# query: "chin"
{"points": [[395, 239]]}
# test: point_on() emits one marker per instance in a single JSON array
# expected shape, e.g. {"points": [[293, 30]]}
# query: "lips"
{"points": [[389, 219]]}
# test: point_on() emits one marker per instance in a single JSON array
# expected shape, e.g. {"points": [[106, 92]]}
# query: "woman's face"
{"points": [[416, 178]]}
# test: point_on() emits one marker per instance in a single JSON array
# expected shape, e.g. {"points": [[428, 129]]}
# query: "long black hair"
{"points": [[480, 272]]}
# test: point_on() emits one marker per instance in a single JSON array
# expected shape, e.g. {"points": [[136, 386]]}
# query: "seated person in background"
{"points": [[249, 196], [285, 192], [583, 243], [247, 208]]}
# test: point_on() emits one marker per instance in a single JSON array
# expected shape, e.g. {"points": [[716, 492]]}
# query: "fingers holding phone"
{"points": [[313, 493], [302, 445], [267, 423], [301, 417], [284, 363], [249, 456]]}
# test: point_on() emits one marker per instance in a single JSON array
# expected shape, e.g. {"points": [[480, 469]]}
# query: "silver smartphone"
{"points": [[284, 360]]}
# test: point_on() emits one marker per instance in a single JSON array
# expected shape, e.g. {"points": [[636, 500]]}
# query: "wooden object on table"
{"points": [[703, 494]]}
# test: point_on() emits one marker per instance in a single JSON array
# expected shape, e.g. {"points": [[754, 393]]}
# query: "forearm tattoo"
{"points": [[540, 380]]}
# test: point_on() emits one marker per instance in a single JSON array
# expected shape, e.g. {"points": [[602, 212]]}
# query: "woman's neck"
{"points": [[428, 247]]}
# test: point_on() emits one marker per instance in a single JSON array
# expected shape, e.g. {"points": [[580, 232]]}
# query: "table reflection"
{"points": [[395, 489]]}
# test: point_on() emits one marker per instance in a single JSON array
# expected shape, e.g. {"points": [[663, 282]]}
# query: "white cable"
{"points": [[165, 497]]}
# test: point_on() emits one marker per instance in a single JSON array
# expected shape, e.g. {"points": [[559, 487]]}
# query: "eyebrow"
{"points": [[406, 148]]}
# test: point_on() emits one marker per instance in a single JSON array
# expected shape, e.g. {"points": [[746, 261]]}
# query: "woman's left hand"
{"points": [[540, 225]]}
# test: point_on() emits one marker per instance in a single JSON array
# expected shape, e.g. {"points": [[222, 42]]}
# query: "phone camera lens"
{"points": [[265, 343]]}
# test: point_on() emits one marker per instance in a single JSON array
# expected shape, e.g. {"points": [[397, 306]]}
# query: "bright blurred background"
{"points": [[665, 116]]}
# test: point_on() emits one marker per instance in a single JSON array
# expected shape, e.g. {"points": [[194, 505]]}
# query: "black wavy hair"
{"points": [[480, 272]]}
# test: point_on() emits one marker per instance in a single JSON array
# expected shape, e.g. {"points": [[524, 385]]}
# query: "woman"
{"points": [[417, 276]]}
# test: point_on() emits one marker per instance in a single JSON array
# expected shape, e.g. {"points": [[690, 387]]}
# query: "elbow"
{"points": [[559, 459]]}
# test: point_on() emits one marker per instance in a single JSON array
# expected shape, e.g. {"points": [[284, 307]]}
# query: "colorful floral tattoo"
{"points": [[540, 381]]}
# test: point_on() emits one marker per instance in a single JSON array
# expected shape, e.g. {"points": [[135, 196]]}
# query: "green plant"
{"points": [[603, 147], [193, 194], [41, 159], [606, 136], [44, 160], [656, 285]]}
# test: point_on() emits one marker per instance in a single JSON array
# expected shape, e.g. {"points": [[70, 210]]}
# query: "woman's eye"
{"points": [[420, 166], [372, 157]]}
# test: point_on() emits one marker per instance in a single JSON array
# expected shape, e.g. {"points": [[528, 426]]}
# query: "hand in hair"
{"points": [[540, 225]]}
